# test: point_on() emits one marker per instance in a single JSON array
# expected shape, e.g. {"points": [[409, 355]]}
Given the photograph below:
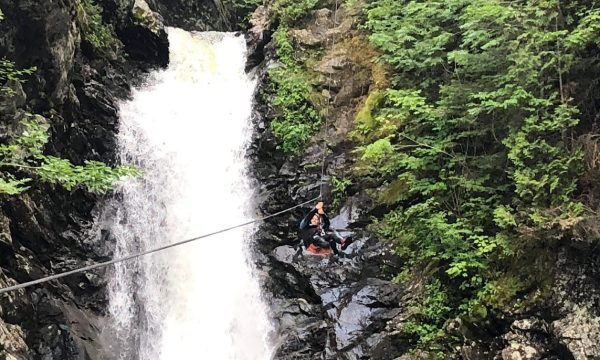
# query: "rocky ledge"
{"points": [[76, 88], [347, 307], [339, 307]]}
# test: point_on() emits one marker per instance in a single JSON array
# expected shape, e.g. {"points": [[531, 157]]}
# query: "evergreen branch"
{"points": [[427, 145], [21, 166]]}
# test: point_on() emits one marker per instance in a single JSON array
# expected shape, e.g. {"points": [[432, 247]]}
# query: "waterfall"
{"points": [[187, 129]]}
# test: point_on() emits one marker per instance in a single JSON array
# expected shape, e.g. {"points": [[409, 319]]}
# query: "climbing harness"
{"points": [[137, 255]]}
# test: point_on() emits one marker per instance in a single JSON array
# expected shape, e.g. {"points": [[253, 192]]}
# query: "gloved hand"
{"points": [[319, 207]]}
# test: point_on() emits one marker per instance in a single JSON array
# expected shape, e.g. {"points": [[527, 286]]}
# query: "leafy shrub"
{"points": [[99, 34], [339, 186], [430, 314], [289, 11], [285, 48], [26, 154], [298, 120], [474, 138]]}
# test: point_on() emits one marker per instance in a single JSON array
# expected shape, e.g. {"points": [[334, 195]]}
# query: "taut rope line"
{"points": [[335, 10], [148, 252]]}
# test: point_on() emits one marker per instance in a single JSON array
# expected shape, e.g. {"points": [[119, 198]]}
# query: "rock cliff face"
{"points": [[204, 15], [343, 307], [330, 308], [76, 89], [347, 307]]}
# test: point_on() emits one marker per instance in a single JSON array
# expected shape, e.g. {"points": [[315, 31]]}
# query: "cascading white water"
{"points": [[187, 130]]}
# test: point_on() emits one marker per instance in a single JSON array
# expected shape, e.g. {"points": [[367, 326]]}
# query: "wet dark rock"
{"points": [[195, 15], [369, 308], [257, 37], [10, 102], [76, 92], [51, 32], [357, 312], [285, 254], [144, 36], [325, 307]]}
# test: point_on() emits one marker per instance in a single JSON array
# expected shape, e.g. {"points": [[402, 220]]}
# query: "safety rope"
{"points": [[335, 11], [137, 255], [148, 252]]}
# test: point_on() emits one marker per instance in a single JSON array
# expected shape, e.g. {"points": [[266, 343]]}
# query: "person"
{"points": [[315, 230]]}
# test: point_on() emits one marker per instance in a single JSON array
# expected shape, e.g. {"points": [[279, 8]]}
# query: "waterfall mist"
{"points": [[187, 129]]}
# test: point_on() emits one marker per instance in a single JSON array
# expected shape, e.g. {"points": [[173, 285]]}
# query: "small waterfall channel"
{"points": [[187, 129]]}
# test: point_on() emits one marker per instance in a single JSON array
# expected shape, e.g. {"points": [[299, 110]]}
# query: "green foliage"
{"points": [[285, 48], [338, 188], [364, 121], [8, 72], [474, 138], [378, 151], [26, 155], [99, 34], [11, 186], [289, 11], [243, 9], [430, 315], [351, 3], [294, 98], [298, 119], [586, 32]]}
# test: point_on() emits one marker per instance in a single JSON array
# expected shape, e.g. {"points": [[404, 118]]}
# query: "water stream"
{"points": [[187, 129]]}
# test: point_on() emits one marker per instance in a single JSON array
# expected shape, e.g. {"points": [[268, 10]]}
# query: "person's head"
{"points": [[315, 220]]}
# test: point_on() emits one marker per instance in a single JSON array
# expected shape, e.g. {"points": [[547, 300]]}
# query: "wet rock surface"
{"points": [[194, 15], [347, 307], [337, 307], [44, 231]]}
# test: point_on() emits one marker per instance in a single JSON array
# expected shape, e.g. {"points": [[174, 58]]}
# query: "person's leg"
{"points": [[339, 239], [336, 236], [320, 242], [332, 242]]}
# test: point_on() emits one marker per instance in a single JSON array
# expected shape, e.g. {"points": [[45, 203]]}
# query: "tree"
{"points": [[474, 138]]}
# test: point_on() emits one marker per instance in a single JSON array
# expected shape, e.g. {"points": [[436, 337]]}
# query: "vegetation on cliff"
{"points": [[95, 31], [481, 145], [297, 118], [26, 155], [476, 142], [22, 157]]}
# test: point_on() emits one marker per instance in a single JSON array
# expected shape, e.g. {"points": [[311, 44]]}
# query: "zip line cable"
{"points": [[148, 252], [335, 10], [137, 255]]}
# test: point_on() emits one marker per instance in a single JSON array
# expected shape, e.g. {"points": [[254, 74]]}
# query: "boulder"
{"points": [[144, 36], [579, 332], [195, 15]]}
